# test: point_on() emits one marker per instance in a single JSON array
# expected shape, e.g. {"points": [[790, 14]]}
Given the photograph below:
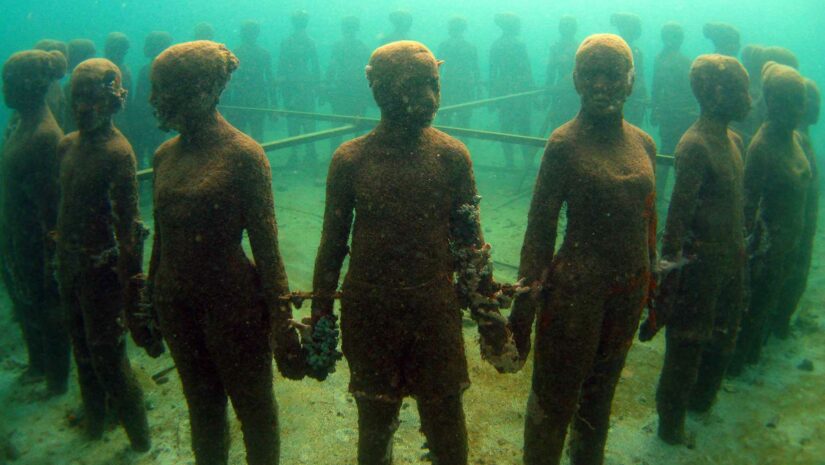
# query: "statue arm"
{"points": [[338, 215]]}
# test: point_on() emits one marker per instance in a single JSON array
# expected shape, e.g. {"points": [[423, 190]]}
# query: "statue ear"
{"points": [[439, 63]]}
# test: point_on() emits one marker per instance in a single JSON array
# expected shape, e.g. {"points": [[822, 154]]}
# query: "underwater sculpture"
{"points": [[673, 108], [56, 98], [412, 193], [629, 26], [146, 136], [100, 253], [778, 178], [29, 195], [299, 78], [725, 38], [115, 50], [253, 84], [460, 74], [797, 281], [401, 21], [511, 73], [562, 100], [79, 50], [219, 314], [345, 88], [701, 302], [597, 284], [754, 58], [203, 31]]}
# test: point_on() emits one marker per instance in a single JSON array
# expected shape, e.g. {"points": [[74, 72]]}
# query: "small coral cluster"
{"points": [[322, 348]]}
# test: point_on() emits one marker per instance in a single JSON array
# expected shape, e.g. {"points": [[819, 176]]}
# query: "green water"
{"points": [[774, 414]]}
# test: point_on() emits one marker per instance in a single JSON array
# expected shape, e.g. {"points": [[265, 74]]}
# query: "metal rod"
{"points": [[359, 123], [144, 175], [309, 137], [358, 119], [490, 101]]}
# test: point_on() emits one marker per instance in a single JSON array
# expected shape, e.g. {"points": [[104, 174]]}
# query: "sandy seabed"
{"points": [[772, 415]]}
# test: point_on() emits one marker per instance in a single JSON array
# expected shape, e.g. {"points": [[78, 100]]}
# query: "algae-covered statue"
{"points": [[561, 93], [701, 302], [411, 191], [754, 58], [673, 109], [203, 31], [220, 315], [629, 26], [793, 289], [253, 85], [28, 213], [725, 38], [460, 74], [299, 76], [146, 136], [778, 179], [56, 97], [115, 49], [511, 73], [79, 50], [100, 253], [345, 88], [401, 21], [595, 287]]}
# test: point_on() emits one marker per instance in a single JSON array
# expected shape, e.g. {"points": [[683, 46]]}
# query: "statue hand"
{"points": [[496, 340], [289, 355], [140, 317]]}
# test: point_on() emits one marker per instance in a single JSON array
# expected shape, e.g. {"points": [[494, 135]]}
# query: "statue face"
{"points": [[412, 94], [604, 80], [92, 103], [733, 96], [168, 106]]}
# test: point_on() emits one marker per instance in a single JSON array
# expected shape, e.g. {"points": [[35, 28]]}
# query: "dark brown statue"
{"points": [[511, 73], [797, 281], [629, 26], [595, 287], [217, 310], [100, 252], [778, 179], [408, 186], [28, 213], [673, 109], [702, 295]]}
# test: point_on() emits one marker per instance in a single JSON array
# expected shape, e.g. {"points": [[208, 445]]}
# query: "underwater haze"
{"points": [[773, 414]]}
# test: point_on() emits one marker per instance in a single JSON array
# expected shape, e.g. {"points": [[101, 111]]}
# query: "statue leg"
{"points": [[681, 367], [200, 379], [717, 354], [688, 331], [567, 339], [32, 337], [767, 274], [91, 390], [442, 422], [377, 423], [622, 312], [56, 345], [102, 307], [241, 351], [790, 295]]}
